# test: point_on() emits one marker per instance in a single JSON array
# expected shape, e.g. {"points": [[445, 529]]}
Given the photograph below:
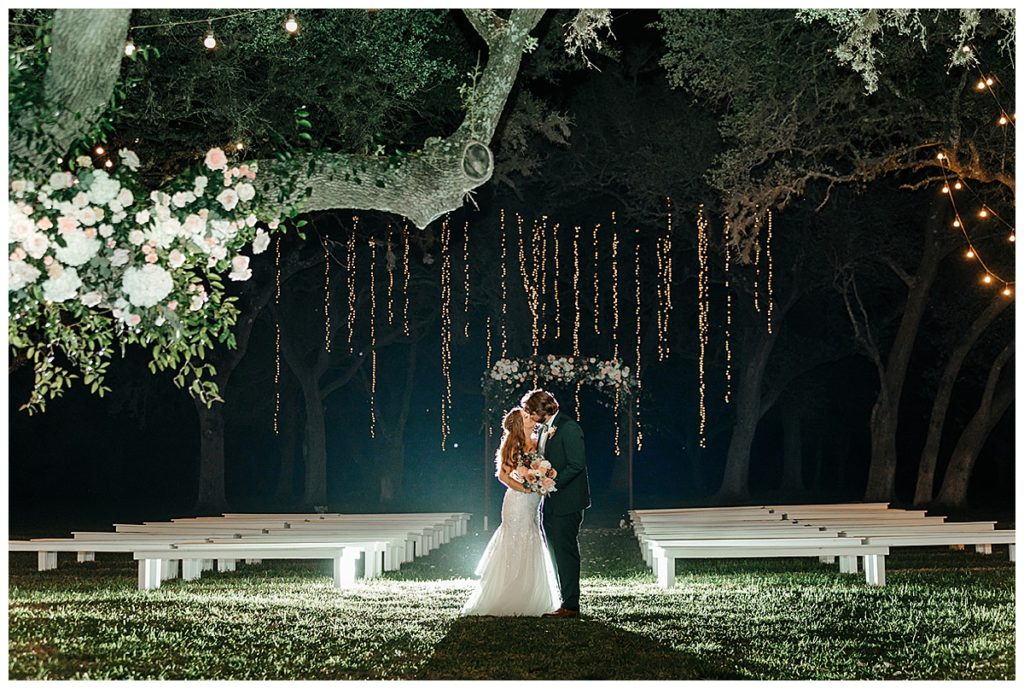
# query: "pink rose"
{"points": [[228, 198], [548, 483], [44, 223], [66, 223], [176, 259], [172, 305], [215, 159], [152, 258], [535, 464], [90, 232], [134, 320]]}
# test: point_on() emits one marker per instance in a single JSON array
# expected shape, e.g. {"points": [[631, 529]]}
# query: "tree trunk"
{"points": [[284, 494], [929, 455], [792, 457], [212, 499], [953, 494], [881, 483], [315, 484]]}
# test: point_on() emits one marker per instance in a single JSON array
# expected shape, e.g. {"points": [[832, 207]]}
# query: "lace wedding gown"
{"points": [[516, 573]]}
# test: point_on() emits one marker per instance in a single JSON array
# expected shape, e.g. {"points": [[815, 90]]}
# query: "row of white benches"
{"points": [[382, 541], [849, 531]]}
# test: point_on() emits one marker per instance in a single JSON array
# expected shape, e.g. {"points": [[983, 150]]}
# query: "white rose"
{"points": [[81, 200], [228, 198], [104, 188], [200, 183], [261, 242], [36, 244], [20, 225], [106, 230], [19, 186], [60, 180], [240, 270], [125, 197], [142, 217], [197, 303], [128, 159], [78, 249], [21, 274], [146, 286], [219, 252], [136, 237], [62, 287], [87, 216], [119, 258], [176, 259], [83, 161], [91, 299], [245, 191], [180, 200]]}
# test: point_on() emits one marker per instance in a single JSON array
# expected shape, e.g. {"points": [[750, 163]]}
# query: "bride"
{"points": [[516, 574]]}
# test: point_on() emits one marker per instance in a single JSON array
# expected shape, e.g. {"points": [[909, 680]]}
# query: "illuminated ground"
{"points": [[943, 615]]}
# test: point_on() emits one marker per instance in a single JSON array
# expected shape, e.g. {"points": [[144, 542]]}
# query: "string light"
{"points": [[240, 146], [576, 290], [291, 25], [490, 338], [465, 277], [983, 213], [327, 297], [597, 286], [129, 48], [277, 336], [391, 260], [108, 164], [210, 42], [100, 150], [1006, 292], [504, 286], [757, 264], [987, 279], [373, 337], [639, 383], [529, 288], [615, 288], [350, 277], [1013, 236], [405, 279], [970, 254], [668, 275], [543, 276], [728, 312], [446, 328], [768, 251], [703, 313], [554, 286]]}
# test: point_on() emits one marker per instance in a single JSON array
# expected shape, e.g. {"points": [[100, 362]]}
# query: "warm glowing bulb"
{"points": [[1006, 292], [291, 26], [109, 163], [1013, 237], [966, 49], [60, 161], [210, 42], [958, 186], [987, 279], [970, 253], [941, 156], [988, 81], [1003, 120], [945, 190], [129, 48], [956, 223], [240, 145], [981, 85], [99, 150], [983, 213]]}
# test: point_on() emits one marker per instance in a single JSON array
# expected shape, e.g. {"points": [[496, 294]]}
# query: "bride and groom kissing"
{"points": [[531, 566]]}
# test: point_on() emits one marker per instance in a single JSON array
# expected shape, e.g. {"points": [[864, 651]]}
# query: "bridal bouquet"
{"points": [[537, 473]]}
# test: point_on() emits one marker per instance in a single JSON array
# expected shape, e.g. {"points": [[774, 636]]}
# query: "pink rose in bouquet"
{"points": [[537, 473]]}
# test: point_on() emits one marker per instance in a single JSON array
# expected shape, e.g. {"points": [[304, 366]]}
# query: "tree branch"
{"points": [[896, 268]]}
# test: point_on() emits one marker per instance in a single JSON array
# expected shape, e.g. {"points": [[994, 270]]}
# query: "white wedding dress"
{"points": [[517, 577]]}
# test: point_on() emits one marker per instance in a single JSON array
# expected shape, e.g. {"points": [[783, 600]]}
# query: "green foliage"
{"points": [[943, 615]]}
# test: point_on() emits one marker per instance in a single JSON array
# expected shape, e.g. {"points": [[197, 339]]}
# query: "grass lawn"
{"points": [[943, 614]]}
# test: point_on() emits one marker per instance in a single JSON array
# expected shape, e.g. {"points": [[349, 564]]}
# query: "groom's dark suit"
{"points": [[563, 509]]}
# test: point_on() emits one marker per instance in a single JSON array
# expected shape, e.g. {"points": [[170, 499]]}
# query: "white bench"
{"points": [[667, 551]]}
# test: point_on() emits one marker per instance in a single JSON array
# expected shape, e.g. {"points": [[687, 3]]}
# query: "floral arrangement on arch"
{"points": [[607, 375], [94, 259]]}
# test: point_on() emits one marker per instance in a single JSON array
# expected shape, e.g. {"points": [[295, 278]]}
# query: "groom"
{"points": [[563, 509]]}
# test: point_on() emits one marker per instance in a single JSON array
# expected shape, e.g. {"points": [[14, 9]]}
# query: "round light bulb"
{"points": [[966, 49], [129, 48], [945, 190], [956, 223], [290, 25], [958, 186], [983, 213], [1013, 236], [969, 254], [1006, 292], [981, 85], [1003, 120], [60, 161], [240, 145], [987, 279], [99, 150], [941, 156], [210, 42], [109, 164], [988, 81]]}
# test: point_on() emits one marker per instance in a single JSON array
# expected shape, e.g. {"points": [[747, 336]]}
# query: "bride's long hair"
{"points": [[513, 441]]}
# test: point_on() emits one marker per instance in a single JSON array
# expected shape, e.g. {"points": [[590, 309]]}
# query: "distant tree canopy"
{"points": [[814, 99]]}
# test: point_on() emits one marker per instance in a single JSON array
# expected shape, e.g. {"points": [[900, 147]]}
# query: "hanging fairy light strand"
{"points": [[728, 312], [768, 253], [350, 279], [659, 314], [615, 324], [703, 312], [373, 337], [542, 230], [597, 277], [490, 339], [465, 278], [277, 336], [327, 297], [529, 285], [554, 285], [667, 242], [391, 261], [639, 382], [504, 287], [446, 329], [576, 290], [757, 264], [405, 272]]}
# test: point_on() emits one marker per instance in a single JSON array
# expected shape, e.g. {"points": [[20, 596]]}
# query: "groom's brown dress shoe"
{"points": [[562, 612]]}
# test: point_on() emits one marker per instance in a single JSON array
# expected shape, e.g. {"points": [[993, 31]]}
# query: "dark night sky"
{"points": [[134, 453]]}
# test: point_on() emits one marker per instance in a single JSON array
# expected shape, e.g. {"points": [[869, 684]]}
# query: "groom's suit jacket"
{"points": [[565, 452]]}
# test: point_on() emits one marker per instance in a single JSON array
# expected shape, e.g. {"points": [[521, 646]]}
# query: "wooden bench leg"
{"points": [[345, 568], [827, 559], [410, 551], [666, 571], [149, 574], [874, 569], [207, 565], [848, 564], [1013, 553], [169, 570], [226, 565], [46, 561], [983, 548], [86, 557], [191, 569], [253, 561]]}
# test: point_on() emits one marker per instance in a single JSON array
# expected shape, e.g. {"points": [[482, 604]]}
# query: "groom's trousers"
{"points": [[562, 532]]}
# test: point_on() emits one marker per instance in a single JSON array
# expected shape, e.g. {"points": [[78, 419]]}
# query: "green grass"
{"points": [[943, 614]]}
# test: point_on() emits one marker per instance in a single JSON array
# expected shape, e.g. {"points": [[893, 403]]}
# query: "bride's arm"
{"points": [[506, 478]]}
